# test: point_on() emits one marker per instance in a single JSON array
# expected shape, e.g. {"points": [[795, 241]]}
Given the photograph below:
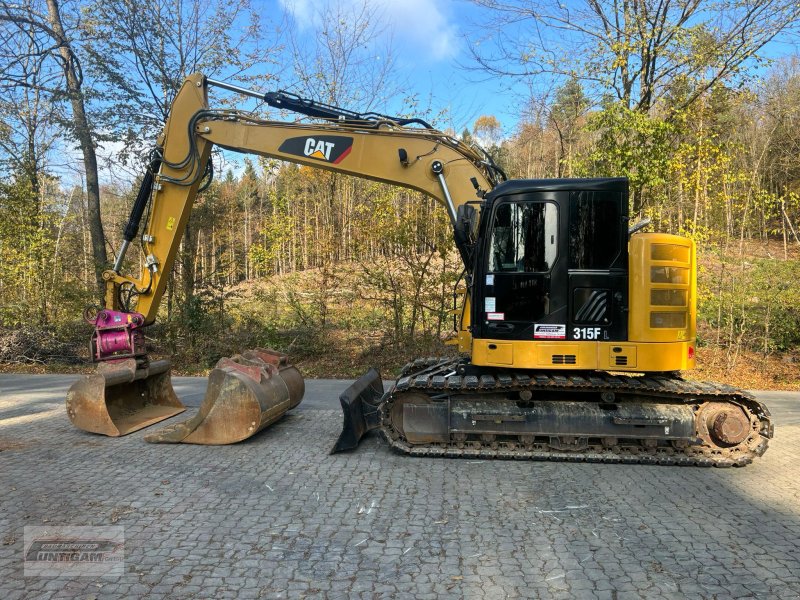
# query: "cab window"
{"points": [[594, 230], [524, 237]]}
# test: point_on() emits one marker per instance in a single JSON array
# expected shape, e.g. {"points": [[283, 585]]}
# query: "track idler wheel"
{"points": [[724, 424], [245, 394], [120, 398]]}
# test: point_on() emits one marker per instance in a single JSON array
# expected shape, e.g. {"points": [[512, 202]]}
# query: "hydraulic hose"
{"points": [[137, 210]]}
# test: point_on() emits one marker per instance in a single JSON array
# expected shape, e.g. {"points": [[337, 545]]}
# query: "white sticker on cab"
{"points": [[549, 332], [495, 316], [490, 304]]}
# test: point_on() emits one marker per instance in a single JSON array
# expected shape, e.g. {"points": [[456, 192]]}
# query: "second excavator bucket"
{"points": [[245, 394], [120, 398]]}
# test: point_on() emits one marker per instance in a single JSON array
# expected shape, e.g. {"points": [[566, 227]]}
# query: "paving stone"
{"points": [[278, 517]]}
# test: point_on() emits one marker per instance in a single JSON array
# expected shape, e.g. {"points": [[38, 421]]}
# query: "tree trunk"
{"points": [[84, 133], [188, 264]]}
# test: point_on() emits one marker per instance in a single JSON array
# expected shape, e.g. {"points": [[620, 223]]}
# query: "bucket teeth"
{"points": [[120, 398], [246, 393]]}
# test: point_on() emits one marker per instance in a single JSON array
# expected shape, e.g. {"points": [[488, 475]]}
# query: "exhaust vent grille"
{"points": [[621, 361], [564, 359]]}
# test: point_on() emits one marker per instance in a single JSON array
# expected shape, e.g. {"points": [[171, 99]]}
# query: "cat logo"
{"points": [[318, 149], [327, 148]]}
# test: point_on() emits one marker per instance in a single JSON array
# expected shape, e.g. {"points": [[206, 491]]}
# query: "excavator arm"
{"points": [[403, 152], [372, 146]]}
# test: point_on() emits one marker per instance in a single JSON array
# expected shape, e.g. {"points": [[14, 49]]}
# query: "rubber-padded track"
{"points": [[439, 377]]}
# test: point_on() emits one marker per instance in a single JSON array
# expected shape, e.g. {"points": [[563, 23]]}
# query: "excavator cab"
{"points": [[549, 263], [553, 262]]}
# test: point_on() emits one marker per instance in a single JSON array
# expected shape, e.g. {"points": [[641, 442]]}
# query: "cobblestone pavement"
{"points": [[277, 517]]}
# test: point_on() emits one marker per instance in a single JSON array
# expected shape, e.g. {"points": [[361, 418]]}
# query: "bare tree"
{"points": [[142, 51], [638, 51], [29, 114], [45, 23], [342, 54]]}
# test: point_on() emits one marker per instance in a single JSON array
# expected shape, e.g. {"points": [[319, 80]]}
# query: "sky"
{"points": [[429, 41], [429, 44]]}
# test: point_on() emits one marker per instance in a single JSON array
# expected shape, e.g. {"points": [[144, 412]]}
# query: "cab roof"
{"points": [[521, 186]]}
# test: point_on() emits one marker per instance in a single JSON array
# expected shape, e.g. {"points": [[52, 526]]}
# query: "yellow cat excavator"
{"points": [[572, 326]]}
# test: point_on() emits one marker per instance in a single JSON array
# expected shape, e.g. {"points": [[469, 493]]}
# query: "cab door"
{"points": [[522, 281]]}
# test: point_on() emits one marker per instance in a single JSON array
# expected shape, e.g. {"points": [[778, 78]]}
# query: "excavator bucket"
{"points": [[245, 394], [119, 398], [360, 410]]}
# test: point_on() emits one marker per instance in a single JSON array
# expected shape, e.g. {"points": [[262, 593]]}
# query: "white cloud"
{"points": [[300, 10], [419, 27]]}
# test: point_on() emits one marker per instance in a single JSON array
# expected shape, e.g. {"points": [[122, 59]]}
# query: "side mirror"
{"points": [[467, 222]]}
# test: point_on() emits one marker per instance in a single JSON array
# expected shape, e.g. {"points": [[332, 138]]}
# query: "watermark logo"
{"points": [[74, 551]]}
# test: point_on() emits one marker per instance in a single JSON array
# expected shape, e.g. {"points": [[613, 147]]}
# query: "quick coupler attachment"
{"points": [[360, 404]]}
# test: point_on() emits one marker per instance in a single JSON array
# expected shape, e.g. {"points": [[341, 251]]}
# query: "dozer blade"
{"points": [[360, 409], [119, 398], [245, 394]]}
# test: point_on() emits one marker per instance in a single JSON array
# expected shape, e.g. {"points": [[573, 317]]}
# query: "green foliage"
{"points": [[321, 263], [33, 229], [570, 103], [411, 280], [753, 303], [630, 144]]}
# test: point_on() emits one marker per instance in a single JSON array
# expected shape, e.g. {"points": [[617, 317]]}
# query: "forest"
{"points": [[697, 103]]}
